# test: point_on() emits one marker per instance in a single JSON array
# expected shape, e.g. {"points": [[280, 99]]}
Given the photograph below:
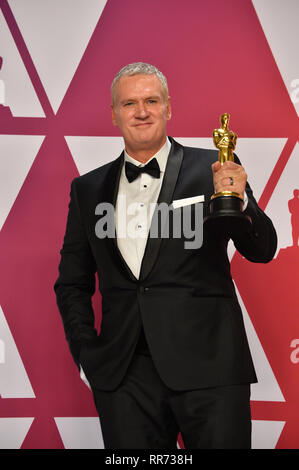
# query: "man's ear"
{"points": [[114, 120]]}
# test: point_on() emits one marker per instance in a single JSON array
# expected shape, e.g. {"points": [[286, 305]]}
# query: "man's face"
{"points": [[141, 111]]}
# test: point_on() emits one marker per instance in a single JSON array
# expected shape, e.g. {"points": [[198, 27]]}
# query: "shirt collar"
{"points": [[161, 156]]}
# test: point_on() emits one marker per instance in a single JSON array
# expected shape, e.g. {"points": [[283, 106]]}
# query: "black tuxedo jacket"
{"points": [[185, 299]]}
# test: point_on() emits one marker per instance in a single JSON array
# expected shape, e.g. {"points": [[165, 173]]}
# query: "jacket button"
{"points": [[143, 289]]}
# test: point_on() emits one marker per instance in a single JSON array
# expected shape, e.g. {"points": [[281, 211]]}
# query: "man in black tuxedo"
{"points": [[172, 354]]}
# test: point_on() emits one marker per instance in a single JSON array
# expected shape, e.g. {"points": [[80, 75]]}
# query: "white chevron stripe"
{"points": [[80, 433], [265, 434], [91, 152], [14, 381], [279, 20], [19, 93], [56, 33], [17, 153], [13, 432]]}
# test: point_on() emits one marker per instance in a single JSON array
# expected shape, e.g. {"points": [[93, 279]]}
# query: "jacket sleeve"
{"points": [[260, 244], [75, 285]]}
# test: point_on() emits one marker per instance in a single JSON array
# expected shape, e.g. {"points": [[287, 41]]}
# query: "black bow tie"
{"points": [[133, 171]]}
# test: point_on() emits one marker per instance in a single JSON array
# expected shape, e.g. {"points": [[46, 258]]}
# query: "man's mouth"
{"points": [[143, 124]]}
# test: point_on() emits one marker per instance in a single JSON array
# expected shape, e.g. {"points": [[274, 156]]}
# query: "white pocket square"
{"points": [[187, 201]]}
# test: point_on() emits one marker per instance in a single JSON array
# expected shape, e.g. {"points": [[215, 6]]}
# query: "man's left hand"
{"points": [[229, 177]]}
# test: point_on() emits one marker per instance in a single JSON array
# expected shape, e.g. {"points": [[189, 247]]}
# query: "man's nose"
{"points": [[141, 111]]}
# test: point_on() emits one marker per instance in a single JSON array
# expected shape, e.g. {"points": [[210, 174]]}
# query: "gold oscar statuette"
{"points": [[226, 207]]}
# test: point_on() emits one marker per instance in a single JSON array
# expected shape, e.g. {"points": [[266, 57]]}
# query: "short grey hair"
{"points": [[140, 68]]}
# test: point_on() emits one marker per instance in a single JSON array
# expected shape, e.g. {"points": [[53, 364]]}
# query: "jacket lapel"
{"points": [[110, 195], [170, 178]]}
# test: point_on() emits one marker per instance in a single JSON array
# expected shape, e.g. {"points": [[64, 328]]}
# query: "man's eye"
{"points": [[129, 103], [152, 101]]}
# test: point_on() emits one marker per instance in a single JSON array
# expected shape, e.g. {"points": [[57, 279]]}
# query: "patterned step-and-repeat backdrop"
{"points": [[58, 58]]}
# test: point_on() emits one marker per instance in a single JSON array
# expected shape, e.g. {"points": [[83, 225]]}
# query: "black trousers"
{"points": [[143, 413]]}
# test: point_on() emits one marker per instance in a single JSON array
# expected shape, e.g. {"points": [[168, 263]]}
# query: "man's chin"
{"points": [[144, 140]]}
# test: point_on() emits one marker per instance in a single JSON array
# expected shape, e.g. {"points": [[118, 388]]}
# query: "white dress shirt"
{"points": [[134, 209]]}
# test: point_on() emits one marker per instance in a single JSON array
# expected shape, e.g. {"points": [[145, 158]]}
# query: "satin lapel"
{"points": [[110, 194], [170, 178]]}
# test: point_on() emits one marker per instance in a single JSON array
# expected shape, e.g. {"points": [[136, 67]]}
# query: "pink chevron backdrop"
{"points": [[58, 60]]}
